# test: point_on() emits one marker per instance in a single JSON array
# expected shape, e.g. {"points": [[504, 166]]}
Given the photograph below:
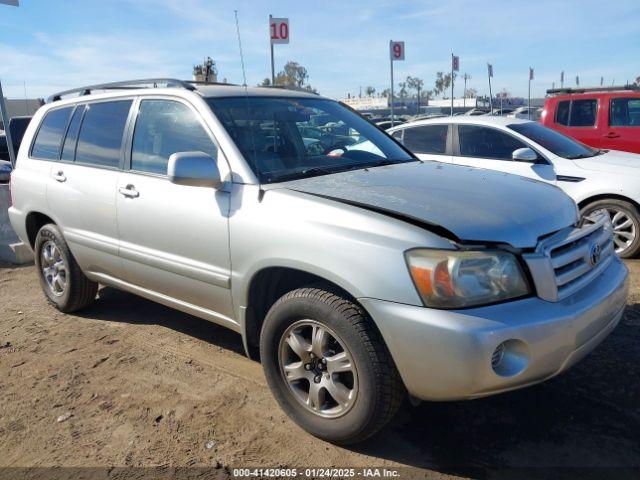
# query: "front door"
{"points": [[487, 147], [623, 130], [174, 239]]}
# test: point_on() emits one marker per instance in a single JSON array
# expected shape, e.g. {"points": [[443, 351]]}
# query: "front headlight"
{"points": [[455, 279]]}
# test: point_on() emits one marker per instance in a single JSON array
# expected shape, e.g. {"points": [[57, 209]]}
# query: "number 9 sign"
{"points": [[279, 30], [396, 50]]}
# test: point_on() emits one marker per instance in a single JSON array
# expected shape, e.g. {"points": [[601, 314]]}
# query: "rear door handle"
{"points": [[129, 191], [611, 135], [60, 176]]}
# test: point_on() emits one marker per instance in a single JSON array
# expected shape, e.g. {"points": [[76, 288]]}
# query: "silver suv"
{"points": [[354, 271]]}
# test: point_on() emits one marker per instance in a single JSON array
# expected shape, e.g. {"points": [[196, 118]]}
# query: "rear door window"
{"points": [[426, 139], [100, 139], [583, 113], [625, 112], [485, 142], [577, 113], [49, 137]]}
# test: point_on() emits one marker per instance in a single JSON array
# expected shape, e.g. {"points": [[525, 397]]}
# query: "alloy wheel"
{"points": [[318, 368], [54, 269], [624, 229]]}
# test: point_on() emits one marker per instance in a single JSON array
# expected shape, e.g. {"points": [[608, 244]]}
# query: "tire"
{"points": [[627, 238], [376, 390], [72, 290]]}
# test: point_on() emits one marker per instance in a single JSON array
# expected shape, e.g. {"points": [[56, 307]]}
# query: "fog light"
{"points": [[510, 358]]}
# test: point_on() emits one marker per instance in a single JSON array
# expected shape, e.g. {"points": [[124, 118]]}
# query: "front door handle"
{"points": [[611, 135], [59, 176], [129, 191]]}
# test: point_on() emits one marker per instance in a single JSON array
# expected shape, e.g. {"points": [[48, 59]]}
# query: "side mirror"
{"points": [[196, 169], [524, 155]]}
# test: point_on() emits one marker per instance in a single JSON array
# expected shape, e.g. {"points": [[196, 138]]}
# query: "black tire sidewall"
{"points": [[630, 210], [360, 415], [50, 232]]}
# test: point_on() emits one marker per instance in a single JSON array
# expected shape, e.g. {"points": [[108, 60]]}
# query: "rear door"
{"points": [[580, 119], [428, 142], [82, 187], [623, 129], [488, 147], [174, 239]]}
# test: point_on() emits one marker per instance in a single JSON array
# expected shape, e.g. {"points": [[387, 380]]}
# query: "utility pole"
{"points": [[464, 93], [3, 107], [273, 69], [529, 101]]}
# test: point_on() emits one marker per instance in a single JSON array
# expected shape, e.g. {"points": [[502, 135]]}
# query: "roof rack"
{"points": [[129, 84], [632, 87]]}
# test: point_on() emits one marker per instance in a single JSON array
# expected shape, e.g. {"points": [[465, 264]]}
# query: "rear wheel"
{"points": [[625, 219], [328, 367], [62, 281]]}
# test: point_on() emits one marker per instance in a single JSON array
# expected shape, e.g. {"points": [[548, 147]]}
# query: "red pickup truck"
{"points": [[607, 118]]}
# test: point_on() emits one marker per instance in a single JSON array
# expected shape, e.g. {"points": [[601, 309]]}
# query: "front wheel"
{"points": [[625, 219], [327, 366]]}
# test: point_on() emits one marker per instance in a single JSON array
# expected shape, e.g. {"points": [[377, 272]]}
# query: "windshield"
{"points": [[288, 138], [553, 141]]}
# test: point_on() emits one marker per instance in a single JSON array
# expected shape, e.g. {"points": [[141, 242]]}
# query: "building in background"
{"points": [[22, 107]]}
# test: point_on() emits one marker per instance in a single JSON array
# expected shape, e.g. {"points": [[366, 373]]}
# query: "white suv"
{"points": [[598, 180]]}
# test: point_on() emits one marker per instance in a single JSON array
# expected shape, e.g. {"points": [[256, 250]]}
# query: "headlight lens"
{"points": [[455, 279]]}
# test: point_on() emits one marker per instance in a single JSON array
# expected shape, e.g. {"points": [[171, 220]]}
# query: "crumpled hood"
{"points": [[614, 161], [474, 204]]}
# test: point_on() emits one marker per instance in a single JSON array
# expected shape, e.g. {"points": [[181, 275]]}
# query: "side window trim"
{"points": [[130, 131]]}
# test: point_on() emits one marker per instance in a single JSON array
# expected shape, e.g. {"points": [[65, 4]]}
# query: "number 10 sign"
{"points": [[279, 29]]}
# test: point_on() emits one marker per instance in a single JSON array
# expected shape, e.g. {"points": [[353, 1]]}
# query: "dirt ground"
{"points": [[131, 383]]}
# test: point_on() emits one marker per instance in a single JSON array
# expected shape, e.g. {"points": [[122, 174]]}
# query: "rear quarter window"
{"points": [[49, 137], [577, 113]]}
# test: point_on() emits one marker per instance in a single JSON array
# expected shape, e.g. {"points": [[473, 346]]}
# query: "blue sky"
{"points": [[56, 44]]}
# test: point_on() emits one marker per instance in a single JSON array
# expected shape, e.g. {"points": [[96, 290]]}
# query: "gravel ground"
{"points": [[131, 383]]}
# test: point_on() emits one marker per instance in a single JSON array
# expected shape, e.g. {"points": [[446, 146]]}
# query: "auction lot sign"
{"points": [[279, 28]]}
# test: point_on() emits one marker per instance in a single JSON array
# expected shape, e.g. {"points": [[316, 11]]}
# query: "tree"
{"points": [[369, 91], [403, 90], [265, 83], [443, 82], [386, 93], [415, 83]]}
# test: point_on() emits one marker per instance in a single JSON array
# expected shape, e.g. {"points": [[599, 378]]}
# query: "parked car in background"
{"points": [[526, 113], [502, 111], [355, 275], [477, 111], [5, 171], [599, 117], [598, 180], [387, 124]]}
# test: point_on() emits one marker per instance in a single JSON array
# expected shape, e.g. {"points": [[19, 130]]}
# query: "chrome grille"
{"points": [[568, 260]]}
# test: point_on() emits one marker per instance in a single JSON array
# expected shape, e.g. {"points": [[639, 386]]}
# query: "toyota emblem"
{"points": [[594, 254]]}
